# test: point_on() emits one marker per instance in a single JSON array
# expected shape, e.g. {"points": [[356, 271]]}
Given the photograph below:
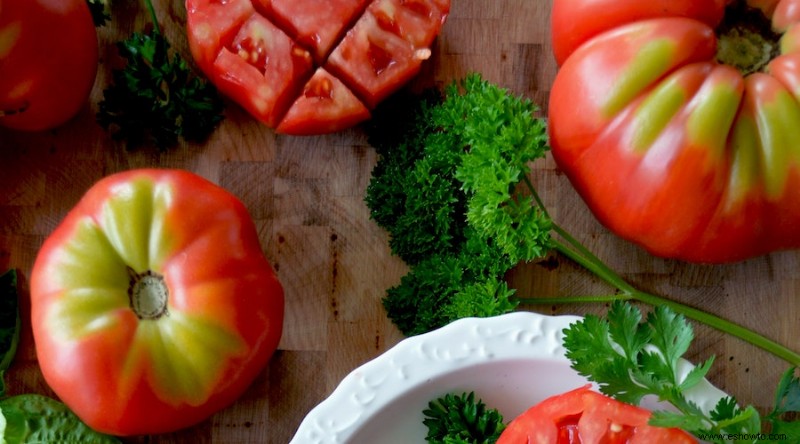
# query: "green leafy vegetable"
{"points": [[782, 418], [157, 96], [463, 155], [630, 359], [454, 419], [38, 419], [31, 418], [451, 187]]}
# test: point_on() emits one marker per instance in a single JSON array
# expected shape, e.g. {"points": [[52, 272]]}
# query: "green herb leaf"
{"points": [[157, 96], [39, 419], [454, 419], [783, 417], [446, 187], [630, 359]]}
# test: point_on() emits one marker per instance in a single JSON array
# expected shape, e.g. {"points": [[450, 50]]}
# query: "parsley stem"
{"points": [[577, 252], [153, 17]]}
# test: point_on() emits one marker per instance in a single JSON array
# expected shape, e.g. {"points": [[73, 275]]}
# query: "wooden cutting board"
{"points": [[306, 196]]}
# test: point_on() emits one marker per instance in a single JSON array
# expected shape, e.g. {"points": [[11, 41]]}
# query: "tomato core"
{"points": [[745, 39], [148, 294]]}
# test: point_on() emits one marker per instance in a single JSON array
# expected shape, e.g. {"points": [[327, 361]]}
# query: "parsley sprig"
{"points": [[157, 96], [452, 188], [462, 419], [630, 358]]}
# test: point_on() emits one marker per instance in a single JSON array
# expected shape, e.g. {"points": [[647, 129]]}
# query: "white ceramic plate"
{"points": [[511, 362]]}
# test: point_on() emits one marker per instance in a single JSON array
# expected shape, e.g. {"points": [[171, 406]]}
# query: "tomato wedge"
{"points": [[583, 416], [273, 57], [325, 106]]}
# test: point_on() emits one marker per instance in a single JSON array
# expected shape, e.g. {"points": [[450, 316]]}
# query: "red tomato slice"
{"points": [[261, 53], [326, 105], [583, 416]]}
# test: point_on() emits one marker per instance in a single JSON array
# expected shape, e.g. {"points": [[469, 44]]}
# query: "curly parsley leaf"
{"points": [[156, 96], [461, 419], [447, 189]]}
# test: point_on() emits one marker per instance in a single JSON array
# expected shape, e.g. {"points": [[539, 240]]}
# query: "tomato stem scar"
{"points": [[148, 294], [745, 39]]}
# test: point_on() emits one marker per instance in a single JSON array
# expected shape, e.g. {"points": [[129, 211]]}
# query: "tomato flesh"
{"points": [[325, 106], [583, 416], [371, 48]]}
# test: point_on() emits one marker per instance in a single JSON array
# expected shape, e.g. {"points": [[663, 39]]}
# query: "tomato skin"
{"points": [[583, 416], [371, 48], [48, 62], [669, 148], [127, 374]]}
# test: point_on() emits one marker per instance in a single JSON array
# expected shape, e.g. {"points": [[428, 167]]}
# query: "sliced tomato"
{"points": [[583, 416], [262, 54], [303, 21], [325, 106], [386, 47]]}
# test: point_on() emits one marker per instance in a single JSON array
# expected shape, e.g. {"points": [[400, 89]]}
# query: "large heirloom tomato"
{"points": [[582, 416], [152, 303], [678, 121], [311, 66], [48, 61]]}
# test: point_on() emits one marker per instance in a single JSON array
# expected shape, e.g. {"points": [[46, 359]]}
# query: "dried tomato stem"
{"points": [[148, 294], [745, 39]]}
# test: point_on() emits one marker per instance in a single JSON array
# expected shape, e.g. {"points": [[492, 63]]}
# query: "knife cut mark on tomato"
{"points": [[371, 47]]}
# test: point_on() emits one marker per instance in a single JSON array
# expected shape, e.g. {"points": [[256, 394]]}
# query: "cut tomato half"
{"points": [[266, 55]]}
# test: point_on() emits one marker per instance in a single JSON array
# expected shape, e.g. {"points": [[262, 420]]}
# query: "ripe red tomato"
{"points": [[582, 416], [152, 304], [48, 61], [311, 67], [673, 138]]}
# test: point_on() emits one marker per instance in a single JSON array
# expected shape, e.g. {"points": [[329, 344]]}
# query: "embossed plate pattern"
{"points": [[510, 361]]}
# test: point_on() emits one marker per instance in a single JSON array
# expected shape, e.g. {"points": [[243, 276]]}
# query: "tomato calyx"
{"points": [[746, 40], [148, 294]]}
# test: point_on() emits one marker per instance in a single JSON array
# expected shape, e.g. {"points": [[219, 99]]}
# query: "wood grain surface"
{"points": [[306, 196]]}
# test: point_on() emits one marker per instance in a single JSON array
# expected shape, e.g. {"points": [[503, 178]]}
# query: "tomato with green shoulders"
{"points": [[676, 121], [152, 303]]}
